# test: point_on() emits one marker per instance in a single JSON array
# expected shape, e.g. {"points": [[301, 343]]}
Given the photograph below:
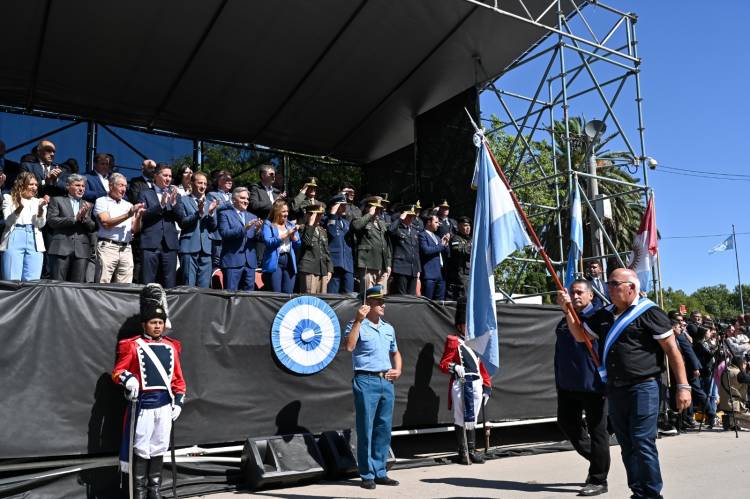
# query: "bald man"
{"points": [[634, 335]]}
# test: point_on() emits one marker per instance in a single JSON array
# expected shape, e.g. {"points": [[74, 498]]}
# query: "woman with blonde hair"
{"points": [[281, 239], [22, 241]]}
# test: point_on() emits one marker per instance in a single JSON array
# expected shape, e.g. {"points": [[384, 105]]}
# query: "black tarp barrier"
{"points": [[59, 347]]}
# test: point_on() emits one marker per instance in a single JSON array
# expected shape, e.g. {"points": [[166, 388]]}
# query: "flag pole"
{"points": [[537, 242], [737, 261]]}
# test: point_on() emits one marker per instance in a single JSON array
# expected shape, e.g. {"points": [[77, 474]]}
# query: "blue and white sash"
{"points": [[622, 322]]}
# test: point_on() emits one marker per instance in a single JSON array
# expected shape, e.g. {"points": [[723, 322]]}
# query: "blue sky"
{"points": [[694, 77], [694, 80]]}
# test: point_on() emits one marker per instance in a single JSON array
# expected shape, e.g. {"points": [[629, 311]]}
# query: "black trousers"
{"points": [[402, 284], [592, 439]]}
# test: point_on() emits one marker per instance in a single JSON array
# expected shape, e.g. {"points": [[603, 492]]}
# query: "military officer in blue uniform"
{"points": [[377, 365], [340, 245]]}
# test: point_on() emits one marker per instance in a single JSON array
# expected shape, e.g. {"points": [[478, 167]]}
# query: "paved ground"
{"points": [[702, 466]]}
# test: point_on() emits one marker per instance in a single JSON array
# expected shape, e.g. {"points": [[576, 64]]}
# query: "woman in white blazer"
{"points": [[22, 241]]}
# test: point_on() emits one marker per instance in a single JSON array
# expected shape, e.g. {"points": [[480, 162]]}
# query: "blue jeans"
{"points": [[21, 261], [633, 411], [373, 404]]}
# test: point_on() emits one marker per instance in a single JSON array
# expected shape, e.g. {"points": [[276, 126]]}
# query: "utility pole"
{"points": [[737, 261]]}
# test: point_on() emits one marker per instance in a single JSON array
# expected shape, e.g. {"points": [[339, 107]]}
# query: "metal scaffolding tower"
{"points": [[586, 65]]}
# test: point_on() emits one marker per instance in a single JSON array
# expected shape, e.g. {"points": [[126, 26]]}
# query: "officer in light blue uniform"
{"points": [[377, 365]]}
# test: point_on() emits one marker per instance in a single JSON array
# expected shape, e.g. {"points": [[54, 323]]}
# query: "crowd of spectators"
{"points": [[179, 226], [715, 356]]}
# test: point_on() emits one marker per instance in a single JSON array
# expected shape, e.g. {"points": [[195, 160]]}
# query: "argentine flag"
{"points": [[645, 247], [576, 237], [498, 232]]}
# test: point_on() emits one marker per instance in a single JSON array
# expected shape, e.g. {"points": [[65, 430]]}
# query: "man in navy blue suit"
{"points": [[598, 285], [223, 196], [97, 183], [239, 230], [158, 231], [195, 215], [49, 175], [434, 252]]}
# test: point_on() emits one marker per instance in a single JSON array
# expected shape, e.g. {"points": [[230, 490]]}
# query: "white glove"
{"points": [[459, 370], [176, 410], [131, 387]]}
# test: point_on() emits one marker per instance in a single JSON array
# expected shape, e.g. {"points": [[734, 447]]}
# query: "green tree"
{"points": [[540, 198]]}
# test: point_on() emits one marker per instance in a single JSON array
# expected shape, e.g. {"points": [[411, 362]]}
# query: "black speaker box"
{"points": [[339, 450], [281, 460]]}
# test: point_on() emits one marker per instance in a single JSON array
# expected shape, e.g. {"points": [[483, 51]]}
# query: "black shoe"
{"points": [[367, 484], [476, 457], [592, 489], [386, 481]]}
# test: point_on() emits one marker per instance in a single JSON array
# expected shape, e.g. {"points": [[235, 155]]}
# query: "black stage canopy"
{"points": [[333, 77]]}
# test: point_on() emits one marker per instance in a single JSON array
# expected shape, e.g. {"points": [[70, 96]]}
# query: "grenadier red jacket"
{"points": [[451, 355], [151, 368]]}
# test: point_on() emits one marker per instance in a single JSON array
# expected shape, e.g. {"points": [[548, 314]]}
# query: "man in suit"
{"points": [[446, 225], [263, 194], [405, 249], [434, 252], [598, 285], [223, 197], [196, 217], [49, 175], [145, 181], [97, 183], [9, 168], [70, 224], [239, 230], [158, 233], [133, 194]]}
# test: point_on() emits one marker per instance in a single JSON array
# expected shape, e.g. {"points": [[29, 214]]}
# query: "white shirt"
{"points": [[122, 232], [104, 181], [269, 191], [437, 241]]}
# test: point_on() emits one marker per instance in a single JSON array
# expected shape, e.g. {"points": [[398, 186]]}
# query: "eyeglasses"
{"points": [[614, 284]]}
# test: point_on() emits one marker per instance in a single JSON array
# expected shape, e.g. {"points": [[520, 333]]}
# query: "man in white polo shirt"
{"points": [[118, 221]]}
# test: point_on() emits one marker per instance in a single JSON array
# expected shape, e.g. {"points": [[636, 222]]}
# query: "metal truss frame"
{"points": [[605, 64]]}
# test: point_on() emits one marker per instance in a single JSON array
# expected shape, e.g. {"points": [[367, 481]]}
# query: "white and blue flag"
{"points": [[726, 244], [576, 237], [498, 232]]}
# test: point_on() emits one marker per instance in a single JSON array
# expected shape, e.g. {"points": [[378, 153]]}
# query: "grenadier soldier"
{"points": [[373, 249], [405, 246], [469, 388], [447, 224], [315, 266], [459, 261], [148, 367]]}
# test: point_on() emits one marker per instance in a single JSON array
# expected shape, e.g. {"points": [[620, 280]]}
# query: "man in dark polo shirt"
{"points": [[579, 390], [634, 334]]}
